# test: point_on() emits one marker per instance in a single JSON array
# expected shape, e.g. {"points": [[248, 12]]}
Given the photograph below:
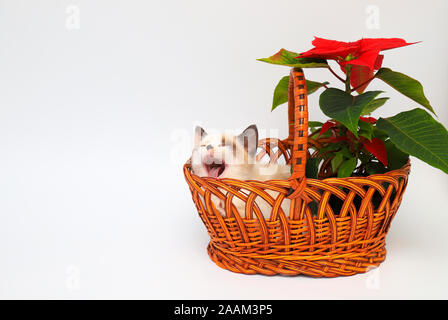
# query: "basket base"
{"points": [[321, 267]]}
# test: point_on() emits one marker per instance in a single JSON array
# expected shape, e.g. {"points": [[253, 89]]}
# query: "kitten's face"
{"points": [[221, 155]]}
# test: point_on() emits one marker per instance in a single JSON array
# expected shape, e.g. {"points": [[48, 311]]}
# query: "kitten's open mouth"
{"points": [[215, 169]]}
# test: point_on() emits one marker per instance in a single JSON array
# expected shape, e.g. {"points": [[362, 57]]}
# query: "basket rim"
{"points": [[403, 170]]}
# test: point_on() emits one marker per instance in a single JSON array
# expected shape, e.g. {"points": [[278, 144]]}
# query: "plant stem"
{"points": [[335, 74], [348, 69]]}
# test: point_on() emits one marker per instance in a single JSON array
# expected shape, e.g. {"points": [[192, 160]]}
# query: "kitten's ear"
{"points": [[249, 139], [199, 133]]}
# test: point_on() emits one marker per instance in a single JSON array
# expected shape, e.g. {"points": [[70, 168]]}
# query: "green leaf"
{"points": [[345, 108], [314, 124], [365, 134], [288, 58], [346, 152], [418, 134], [312, 167], [346, 169], [365, 129], [336, 161], [313, 86], [396, 158], [281, 90], [373, 105], [406, 85], [380, 134], [280, 93]]}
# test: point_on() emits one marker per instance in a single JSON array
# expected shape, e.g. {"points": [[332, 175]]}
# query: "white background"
{"points": [[96, 119]]}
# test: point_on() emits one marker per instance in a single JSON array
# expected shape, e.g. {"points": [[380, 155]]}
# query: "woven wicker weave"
{"points": [[345, 235]]}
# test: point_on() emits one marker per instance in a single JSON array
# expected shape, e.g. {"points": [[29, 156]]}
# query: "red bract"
{"points": [[368, 119], [363, 55], [377, 148], [361, 76], [327, 125]]}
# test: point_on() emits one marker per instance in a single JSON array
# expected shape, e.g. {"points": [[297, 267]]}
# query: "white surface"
{"points": [[93, 203]]}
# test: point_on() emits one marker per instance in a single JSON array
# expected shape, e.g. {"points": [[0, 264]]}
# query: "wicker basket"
{"points": [[335, 238]]}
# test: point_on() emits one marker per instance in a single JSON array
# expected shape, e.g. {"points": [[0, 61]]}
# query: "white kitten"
{"points": [[229, 156]]}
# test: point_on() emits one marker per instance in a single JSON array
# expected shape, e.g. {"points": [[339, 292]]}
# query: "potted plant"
{"points": [[358, 144]]}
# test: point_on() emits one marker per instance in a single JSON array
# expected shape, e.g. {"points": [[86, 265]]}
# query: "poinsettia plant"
{"points": [[355, 142]]}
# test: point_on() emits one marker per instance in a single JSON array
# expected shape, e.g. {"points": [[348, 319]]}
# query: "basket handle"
{"points": [[298, 121]]}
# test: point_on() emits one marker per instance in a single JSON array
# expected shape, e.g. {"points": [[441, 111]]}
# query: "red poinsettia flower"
{"points": [[363, 52], [363, 55]]}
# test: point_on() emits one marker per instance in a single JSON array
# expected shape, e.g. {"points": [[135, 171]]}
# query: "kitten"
{"points": [[228, 156]]}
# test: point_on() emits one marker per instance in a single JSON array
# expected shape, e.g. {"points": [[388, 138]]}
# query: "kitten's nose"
{"points": [[209, 147]]}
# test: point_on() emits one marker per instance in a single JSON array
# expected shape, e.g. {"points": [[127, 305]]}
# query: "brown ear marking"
{"points": [[253, 127], [250, 131], [199, 133], [199, 130]]}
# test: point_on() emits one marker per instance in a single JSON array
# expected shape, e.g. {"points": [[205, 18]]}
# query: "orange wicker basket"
{"points": [[330, 241]]}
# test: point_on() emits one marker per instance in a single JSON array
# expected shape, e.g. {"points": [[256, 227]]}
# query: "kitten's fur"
{"points": [[229, 156]]}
